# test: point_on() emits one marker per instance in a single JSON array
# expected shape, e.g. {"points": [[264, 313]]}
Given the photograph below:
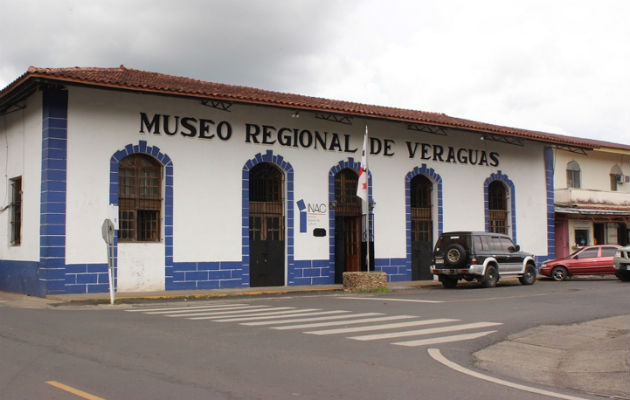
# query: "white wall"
{"points": [[208, 182], [20, 155]]}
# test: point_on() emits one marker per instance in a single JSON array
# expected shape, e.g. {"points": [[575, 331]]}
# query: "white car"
{"points": [[622, 263]]}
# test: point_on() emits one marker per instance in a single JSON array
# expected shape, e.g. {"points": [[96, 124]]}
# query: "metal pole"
{"points": [[367, 234], [108, 235], [110, 271]]}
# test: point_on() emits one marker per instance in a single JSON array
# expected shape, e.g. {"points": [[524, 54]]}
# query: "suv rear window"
{"points": [[444, 241]]}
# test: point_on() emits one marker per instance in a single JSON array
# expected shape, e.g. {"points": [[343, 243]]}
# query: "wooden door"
{"points": [[348, 249], [266, 226], [352, 243]]}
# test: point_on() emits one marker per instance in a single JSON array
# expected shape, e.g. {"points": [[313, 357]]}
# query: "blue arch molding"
{"points": [[437, 180], [499, 176], [287, 168]]}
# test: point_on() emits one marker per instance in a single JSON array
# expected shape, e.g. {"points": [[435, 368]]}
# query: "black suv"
{"points": [[481, 256]]}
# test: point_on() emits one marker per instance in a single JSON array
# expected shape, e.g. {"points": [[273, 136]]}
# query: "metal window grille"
{"points": [[497, 208], [139, 199], [266, 212], [421, 213], [16, 211], [347, 202]]}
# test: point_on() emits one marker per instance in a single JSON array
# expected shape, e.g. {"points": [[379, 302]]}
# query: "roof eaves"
{"points": [[150, 82]]}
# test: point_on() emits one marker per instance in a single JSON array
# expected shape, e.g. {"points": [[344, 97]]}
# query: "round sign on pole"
{"points": [[108, 231]]}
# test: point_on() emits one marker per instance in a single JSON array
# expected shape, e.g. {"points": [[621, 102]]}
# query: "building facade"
{"points": [[215, 186], [592, 197]]}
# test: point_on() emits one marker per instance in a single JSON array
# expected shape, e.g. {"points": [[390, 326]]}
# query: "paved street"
{"points": [[400, 345]]}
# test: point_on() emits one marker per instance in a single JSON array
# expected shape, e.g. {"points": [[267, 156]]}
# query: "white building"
{"points": [[215, 185]]}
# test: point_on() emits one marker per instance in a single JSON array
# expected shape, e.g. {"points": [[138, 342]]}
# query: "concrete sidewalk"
{"points": [[592, 357], [131, 297]]}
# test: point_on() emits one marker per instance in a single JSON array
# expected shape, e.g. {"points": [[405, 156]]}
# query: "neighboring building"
{"points": [[214, 186], [592, 196]]}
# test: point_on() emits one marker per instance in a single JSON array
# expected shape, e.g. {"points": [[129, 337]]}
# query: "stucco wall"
{"points": [[595, 168], [208, 173], [20, 155]]}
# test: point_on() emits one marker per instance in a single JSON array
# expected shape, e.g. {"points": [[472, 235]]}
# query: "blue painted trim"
{"points": [[287, 168], [350, 163], [303, 216], [549, 185], [153, 151], [52, 250], [437, 181], [21, 277], [499, 176]]}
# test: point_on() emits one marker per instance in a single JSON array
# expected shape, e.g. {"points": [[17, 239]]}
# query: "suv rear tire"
{"points": [[491, 277], [448, 282]]}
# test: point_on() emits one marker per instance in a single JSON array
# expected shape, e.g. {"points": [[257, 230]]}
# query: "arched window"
{"points": [[266, 203], [615, 177], [346, 200], [573, 175], [497, 207], [421, 213], [139, 199]]}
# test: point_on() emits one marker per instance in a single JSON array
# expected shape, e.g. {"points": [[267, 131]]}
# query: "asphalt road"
{"points": [[269, 348]]}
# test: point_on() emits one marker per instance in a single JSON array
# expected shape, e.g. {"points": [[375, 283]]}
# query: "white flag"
{"points": [[362, 185]]}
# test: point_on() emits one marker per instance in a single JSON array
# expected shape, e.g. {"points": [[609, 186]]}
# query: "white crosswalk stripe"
{"points": [[223, 314], [336, 322], [300, 313], [380, 327], [309, 319], [200, 310], [444, 339], [426, 331], [147, 310], [345, 322]]}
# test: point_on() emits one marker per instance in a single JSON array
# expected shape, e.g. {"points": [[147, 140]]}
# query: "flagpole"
{"points": [[363, 193], [367, 228]]}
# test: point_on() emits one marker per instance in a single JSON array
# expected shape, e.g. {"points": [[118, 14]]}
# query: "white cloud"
{"points": [[559, 66]]}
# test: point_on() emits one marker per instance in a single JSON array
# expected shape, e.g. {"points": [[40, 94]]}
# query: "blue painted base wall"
{"points": [[21, 277]]}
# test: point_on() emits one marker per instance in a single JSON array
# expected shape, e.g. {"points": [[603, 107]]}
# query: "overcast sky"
{"points": [[558, 66]]}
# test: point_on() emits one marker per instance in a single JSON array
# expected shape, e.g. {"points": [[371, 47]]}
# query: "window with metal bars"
{"points": [[347, 202], [266, 214], [139, 199], [15, 217], [421, 215], [497, 207]]}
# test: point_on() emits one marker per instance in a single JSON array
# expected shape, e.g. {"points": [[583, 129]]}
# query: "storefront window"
{"points": [[581, 237]]}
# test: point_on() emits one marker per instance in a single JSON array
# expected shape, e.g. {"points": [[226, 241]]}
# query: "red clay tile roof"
{"points": [[143, 81]]}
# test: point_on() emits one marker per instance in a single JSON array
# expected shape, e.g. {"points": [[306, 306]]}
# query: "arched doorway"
{"points": [[266, 225], [347, 224], [497, 208], [421, 189]]}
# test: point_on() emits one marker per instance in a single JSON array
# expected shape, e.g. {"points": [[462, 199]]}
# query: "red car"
{"points": [[589, 260]]}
